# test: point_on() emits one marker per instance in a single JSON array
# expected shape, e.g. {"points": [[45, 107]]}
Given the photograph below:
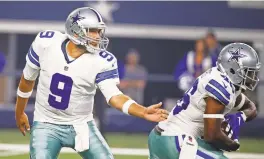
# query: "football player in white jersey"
{"points": [[70, 67], [194, 128]]}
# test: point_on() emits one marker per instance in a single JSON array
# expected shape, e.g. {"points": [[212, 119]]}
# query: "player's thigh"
{"points": [[162, 147], [98, 149], [206, 150], [44, 141]]}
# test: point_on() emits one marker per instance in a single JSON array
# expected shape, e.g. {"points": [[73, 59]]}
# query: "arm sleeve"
{"points": [[30, 73], [40, 43], [107, 80], [109, 89], [214, 89], [109, 72], [33, 53]]}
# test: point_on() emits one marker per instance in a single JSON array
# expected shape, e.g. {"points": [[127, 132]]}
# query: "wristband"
{"points": [[126, 105], [24, 94]]}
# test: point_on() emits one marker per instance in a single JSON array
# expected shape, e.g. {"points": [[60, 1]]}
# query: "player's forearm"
{"points": [[250, 110], [223, 142], [21, 102], [135, 109], [213, 133]]}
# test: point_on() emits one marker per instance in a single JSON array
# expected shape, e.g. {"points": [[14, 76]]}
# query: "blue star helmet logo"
{"points": [[236, 55], [76, 18]]}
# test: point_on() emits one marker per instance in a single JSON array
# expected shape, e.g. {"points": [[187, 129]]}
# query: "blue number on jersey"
{"points": [[46, 34], [106, 55], [183, 103], [64, 92]]}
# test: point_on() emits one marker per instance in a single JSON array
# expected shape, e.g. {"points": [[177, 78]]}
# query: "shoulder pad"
{"points": [[219, 87], [47, 37]]}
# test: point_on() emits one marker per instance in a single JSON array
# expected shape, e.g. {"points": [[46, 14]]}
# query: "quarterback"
{"points": [[202, 124], [70, 68]]}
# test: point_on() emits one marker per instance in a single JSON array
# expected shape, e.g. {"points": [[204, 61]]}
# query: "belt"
{"points": [[158, 130]]}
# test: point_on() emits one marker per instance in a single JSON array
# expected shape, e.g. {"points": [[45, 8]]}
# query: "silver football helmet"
{"points": [[240, 63], [77, 27]]}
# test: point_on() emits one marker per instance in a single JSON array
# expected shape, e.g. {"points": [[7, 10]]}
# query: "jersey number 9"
{"points": [[106, 56], [46, 34], [60, 87]]}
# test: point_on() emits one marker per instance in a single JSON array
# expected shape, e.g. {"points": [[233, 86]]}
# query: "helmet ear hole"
{"points": [[232, 71]]}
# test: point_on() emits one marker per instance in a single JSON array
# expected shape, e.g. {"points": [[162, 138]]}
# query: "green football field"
{"points": [[115, 140]]}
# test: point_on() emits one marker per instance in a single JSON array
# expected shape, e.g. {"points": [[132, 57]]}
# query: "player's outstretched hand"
{"points": [[22, 123], [155, 114]]}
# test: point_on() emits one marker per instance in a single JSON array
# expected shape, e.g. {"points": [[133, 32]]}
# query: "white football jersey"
{"points": [[187, 115], [66, 88]]}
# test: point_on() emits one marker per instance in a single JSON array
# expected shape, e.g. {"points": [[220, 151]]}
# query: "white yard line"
{"points": [[10, 153], [15, 149]]}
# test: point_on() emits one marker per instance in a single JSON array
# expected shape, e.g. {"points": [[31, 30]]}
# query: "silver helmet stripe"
{"points": [[98, 15]]}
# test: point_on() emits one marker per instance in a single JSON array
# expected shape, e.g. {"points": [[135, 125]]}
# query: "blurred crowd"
{"points": [[197, 60], [2, 78], [201, 57]]}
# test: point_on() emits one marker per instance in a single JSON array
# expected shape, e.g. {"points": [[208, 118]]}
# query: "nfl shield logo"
{"points": [[66, 68]]}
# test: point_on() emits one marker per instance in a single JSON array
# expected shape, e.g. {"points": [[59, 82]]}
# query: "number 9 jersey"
{"points": [[187, 115], [66, 86]]}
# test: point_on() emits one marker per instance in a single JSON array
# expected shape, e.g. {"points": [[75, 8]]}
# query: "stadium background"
{"points": [[161, 31]]}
